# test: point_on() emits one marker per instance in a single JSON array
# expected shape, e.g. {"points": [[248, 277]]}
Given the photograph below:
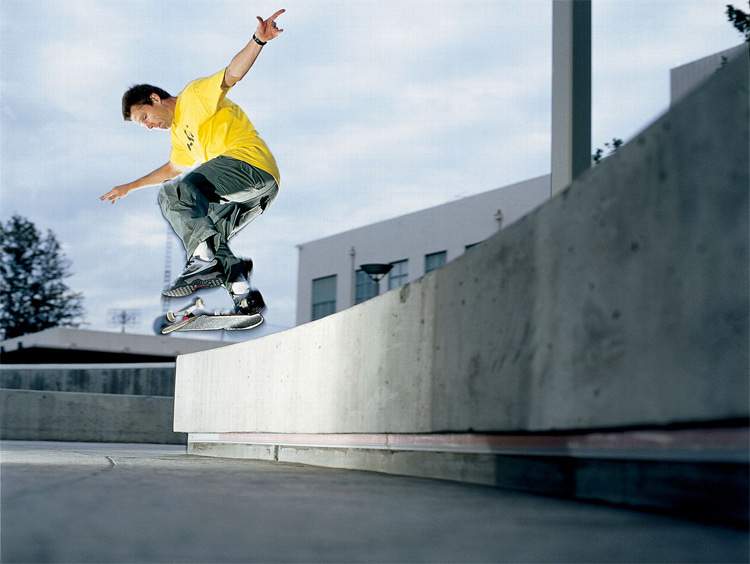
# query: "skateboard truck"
{"points": [[185, 313]]}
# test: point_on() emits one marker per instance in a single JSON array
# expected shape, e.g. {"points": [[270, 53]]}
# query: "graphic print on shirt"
{"points": [[190, 138]]}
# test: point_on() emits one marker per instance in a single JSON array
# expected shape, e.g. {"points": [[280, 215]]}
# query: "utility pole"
{"points": [[571, 91], [165, 300]]}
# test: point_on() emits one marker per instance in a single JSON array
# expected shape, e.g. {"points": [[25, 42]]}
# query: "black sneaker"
{"points": [[249, 303], [240, 272], [247, 268], [197, 274]]}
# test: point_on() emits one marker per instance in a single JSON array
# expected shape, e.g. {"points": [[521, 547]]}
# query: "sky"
{"points": [[373, 109]]}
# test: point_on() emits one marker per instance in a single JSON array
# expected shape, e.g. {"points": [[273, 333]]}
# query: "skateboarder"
{"points": [[236, 181]]}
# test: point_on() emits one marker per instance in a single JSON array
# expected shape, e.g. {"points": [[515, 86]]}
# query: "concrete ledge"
{"points": [[64, 416], [133, 379], [622, 302]]}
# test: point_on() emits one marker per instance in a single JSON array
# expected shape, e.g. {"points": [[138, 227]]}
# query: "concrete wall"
{"points": [[66, 416], [621, 302], [103, 403]]}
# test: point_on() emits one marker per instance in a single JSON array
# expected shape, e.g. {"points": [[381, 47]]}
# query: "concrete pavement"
{"points": [[89, 502]]}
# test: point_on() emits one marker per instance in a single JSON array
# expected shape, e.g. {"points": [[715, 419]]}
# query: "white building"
{"points": [[685, 78], [330, 278]]}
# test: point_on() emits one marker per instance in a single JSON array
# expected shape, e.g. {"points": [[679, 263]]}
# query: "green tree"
{"points": [[33, 295], [740, 20], [598, 155]]}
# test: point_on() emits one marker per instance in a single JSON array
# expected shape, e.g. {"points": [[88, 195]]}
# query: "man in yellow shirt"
{"points": [[236, 180]]}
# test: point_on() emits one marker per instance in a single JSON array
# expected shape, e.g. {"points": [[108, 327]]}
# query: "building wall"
{"points": [[449, 227], [686, 78]]}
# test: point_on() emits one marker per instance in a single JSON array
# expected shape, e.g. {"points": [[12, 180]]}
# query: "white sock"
{"points": [[204, 252], [239, 287]]}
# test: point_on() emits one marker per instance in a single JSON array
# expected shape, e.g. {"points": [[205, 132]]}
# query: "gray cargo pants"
{"points": [[215, 201]]}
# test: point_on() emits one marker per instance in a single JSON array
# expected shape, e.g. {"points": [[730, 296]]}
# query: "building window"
{"points": [[323, 297], [468, 247], [366, 287], [398, 274], [434, 260]]}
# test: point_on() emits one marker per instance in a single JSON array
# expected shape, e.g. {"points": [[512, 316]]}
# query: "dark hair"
{"points": [[140, 95]]}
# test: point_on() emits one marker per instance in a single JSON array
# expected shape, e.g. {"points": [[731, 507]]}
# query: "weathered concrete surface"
{"points": [[66, 416], [126, 503], [622, 302], [133, 379]]}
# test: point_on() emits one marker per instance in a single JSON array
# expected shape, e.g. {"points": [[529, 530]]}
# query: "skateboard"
{"points": [[195, 318]]}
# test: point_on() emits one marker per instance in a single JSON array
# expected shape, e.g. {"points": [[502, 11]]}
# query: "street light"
{"points": [[376, 271]]}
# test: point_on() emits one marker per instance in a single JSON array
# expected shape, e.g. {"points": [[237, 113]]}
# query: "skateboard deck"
{"points": [[215, 322], [196, 318]]}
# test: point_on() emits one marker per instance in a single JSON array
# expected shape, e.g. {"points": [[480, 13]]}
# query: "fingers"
{"points": [[267, 29], [271, 21], [111, 195]]}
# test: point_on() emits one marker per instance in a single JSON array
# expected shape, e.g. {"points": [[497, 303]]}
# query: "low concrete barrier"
{"points": [[88, 402], [66, 416]]}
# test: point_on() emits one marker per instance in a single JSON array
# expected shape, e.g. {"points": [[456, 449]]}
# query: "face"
{"points": [[156, 116]]}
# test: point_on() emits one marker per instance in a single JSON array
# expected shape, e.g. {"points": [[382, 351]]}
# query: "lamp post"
{"points": [[376, 272]]}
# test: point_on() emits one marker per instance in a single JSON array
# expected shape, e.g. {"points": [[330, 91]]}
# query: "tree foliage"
{"points": [[740, 20], [599, 155], [33, 295]]}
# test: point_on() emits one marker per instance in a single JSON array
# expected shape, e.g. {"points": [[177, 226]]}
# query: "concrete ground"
{"points": [[88, 502]]}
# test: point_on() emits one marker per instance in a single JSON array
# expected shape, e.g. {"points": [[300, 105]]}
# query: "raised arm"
{"points": [[164, 172], [244, 60]]}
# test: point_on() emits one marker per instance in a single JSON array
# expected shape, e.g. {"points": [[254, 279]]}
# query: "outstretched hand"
{"points": [[267, 29], [115, 194]]}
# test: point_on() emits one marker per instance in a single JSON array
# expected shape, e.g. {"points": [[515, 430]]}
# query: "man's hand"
{"points": [[267, 29], [164, 172], [116, 193], [245, 59]]}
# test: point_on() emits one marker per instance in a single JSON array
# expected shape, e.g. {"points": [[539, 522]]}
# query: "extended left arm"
{"points": [[244, 60]]}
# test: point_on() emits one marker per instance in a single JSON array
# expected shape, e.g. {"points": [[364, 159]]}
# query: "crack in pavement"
{"points": [[8, 496]]}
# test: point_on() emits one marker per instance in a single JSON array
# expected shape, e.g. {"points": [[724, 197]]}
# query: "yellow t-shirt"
{"points": [[207, 124]]}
